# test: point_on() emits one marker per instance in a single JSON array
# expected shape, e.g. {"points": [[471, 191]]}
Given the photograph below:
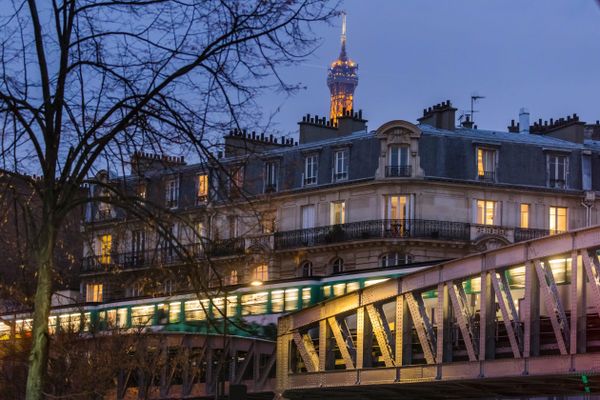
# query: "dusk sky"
{"points": [[540, 54]]}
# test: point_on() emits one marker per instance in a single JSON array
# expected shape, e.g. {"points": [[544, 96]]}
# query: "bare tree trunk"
{"points": [[38, 357]]}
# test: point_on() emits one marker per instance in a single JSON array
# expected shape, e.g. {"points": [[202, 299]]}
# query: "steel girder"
{"points": [[461, 335]]}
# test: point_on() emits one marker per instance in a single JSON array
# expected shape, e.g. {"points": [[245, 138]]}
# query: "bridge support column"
{"points": [[403, 333], [444, 325], [531, 316], [487, 319], [578, 305]]}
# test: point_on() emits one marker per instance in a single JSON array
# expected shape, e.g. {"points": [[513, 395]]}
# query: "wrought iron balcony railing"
{"points": [[167, 255], [522, 234], [395, 171], [487, 176], [558, 183], [377, 229]]}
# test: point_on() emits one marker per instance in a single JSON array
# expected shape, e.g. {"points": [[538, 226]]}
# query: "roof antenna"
{"points": [[474, 98]]}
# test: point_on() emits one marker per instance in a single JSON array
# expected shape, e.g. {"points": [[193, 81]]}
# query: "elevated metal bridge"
{"points": [[522, 320]]}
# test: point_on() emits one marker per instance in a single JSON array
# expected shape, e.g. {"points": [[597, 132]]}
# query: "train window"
{"points": [[352, 286], [162, 313], [174, 312], [231, 306], [111, 318], [142, 315], [87, 322], [291, 299], [339, 289], [195, 311], [122, 317], [306, 297], [51, 324], [255, 303], [5, 329], [277, 301], [326, 291]]}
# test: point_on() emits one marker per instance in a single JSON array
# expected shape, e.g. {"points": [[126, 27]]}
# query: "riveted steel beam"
{"points": [[507, 308], [422, 326], [464, 317], [307, 351], [340, 340], [382, 334], [554, 307], [592, 270]]}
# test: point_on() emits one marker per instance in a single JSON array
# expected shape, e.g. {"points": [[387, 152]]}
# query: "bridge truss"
{"points": [[518, 320]]}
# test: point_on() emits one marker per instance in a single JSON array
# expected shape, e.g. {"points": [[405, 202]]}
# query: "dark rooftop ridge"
{"points": [[138, 155], [260, 138], [549, 126]]}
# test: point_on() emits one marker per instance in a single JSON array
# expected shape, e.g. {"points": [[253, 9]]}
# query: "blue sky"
{"points": [[539, 54]]}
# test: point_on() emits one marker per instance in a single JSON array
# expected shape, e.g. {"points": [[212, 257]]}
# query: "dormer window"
{"points": [[311, 166], [172, 193], [271, 177], [398, 162], [202, 189], [557, 171], [340, 165], [486, 164]]}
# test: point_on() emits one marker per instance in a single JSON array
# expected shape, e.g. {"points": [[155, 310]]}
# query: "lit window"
{"points": [[267, 221], [338, 212], [260, 273], [558, 219], [231, 306], [270, 177], [486, 164], [233, 277], [122, 317], [398, 162], [557, 171], [277, 301], [306, 297], [105, 248], [487, 213], [142, 315], [307, 269], [310, 170], [172, 193], [352, 286], [291, 299], [93, 293], [340, 165], [326, 291], [524, 222], [202, 189], [255, 303], [162, 314], [174, 312], [339, 289], [195, 310], [337, 266], [141, 190]]}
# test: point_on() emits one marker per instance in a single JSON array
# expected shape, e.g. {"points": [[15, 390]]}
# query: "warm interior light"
{"points": [[256, 283]]}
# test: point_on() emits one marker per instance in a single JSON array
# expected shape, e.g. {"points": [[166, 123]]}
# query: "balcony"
{"points": [[487, 176], [400, 229], [163, 256], [558, 183], [377, 229], [398, 171]]}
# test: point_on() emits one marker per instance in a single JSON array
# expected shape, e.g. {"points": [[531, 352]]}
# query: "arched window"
{"points": [[260, 273], [233, 277], [306, 269], [394, 259], [337, 266]]}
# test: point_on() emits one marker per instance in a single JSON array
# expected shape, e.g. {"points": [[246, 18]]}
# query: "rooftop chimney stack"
{"points": [[524, 121]]}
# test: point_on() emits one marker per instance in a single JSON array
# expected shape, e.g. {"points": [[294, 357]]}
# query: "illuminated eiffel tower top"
{"points": [[342, 79]]}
